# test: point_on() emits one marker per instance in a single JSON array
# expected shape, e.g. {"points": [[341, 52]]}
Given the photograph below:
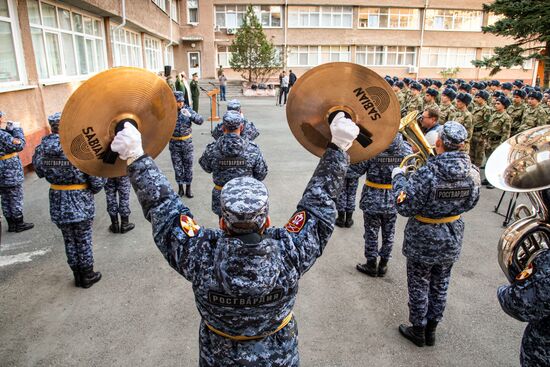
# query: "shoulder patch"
{"points": [[526, 273], [16, 141], [401, 198], [189, 226], [297, 222]]}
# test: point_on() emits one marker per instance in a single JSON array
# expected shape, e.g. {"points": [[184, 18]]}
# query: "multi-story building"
{"points": [[49, 47]]}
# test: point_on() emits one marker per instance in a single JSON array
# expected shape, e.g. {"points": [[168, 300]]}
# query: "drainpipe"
{"points": [[171, 31], [123, 17], [426, 3], [285, 51]]}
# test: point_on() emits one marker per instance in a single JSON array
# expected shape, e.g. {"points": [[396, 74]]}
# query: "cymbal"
{"points": [[359, 92], [100, 106], [521, 163]]}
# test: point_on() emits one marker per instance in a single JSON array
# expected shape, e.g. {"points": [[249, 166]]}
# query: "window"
{"points": [[169, 56], [489, 52], [453, 20], [316, 55], [391, 18], [12, 68], [386, 55], [163, 4], [320, 16], [269, 16], [444, 57], [174, 11], [231, 16], [126, 47], [492, 18], [153, 54], [192, 11], [66, 43], [224, 56]]}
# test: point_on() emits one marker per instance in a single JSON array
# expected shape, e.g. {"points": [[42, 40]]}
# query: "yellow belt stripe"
{"points": [[218, 187], [181, 138], [69, 187], [378, 185], [8, 156], [241, 338], [436, 220]]}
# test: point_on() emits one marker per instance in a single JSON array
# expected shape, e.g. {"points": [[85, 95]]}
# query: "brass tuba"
{"points": [[522, 164], [411, 131]]}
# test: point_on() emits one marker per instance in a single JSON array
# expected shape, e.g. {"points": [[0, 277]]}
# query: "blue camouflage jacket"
{"points": [[249, 130], [183, 123], [528, 300], [378, 170], [66, 206], [447, 185], [12, 140], [242, 288]]}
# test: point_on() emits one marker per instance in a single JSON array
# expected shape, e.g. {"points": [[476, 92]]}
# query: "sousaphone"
{"points": [[362, 94], [101, 106]]}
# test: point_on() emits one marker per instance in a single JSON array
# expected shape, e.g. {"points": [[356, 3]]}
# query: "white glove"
{"points": [[14, 124], [344, 131], [185, 112], [397, 170], [127, 143]]}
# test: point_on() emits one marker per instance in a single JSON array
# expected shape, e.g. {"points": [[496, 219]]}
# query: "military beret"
{"points": [[453, 135], [437, 83], [399, 84], [179, 96], [464, 98], [536, 95], [518, 83], [466, 87], [507, 86], [425, 83], [415, 85], [407, 81], [504, 100], [494, 83], [234, 105], [244, 204], [54, 119], [483, 94], [232, 120], [449, 92], [519, 93], [432, 92], [497, 94]]}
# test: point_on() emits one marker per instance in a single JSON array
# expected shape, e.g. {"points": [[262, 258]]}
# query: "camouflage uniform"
{"points": [[516, 113], [249, 132], [228, 157], [401, 98], [414, 104], [465, 118], [71, 210], [431, 105], [532, 117], [12, 140], [445, 112], [346, 199], [181, 151], [528, 300], [448, 185], [480, 117], [377, 203], [497, 131], [122, 186], [244, 285]]}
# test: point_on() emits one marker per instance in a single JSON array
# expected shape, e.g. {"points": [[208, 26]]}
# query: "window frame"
{"points": [[489, 52], [384, 54], [316, 52], [188, 16], [427, 53], [153, 51], [453, 19], [321, 10], [365, 11], [13, 21], [238, 9], [128, 46]]}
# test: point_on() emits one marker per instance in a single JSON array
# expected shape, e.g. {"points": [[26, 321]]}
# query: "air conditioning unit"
{"points": [[412, 69], [231, 31]]}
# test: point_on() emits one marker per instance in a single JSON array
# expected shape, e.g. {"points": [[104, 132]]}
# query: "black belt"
{"points": [[478, 129]]}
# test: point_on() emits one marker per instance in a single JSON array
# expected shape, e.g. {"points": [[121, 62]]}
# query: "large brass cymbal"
{"points": [[341, 86], [102, 104]]}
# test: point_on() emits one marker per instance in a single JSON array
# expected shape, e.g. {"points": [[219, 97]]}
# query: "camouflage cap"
{"points": [[234, 105], [244, 204], [504, 100], [54, 119], [232, 120], [179, 96], [453, 135]]}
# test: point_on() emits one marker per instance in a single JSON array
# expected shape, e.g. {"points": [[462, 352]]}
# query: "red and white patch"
{"points": [[526, 273], [401, 198], [189, 226], [16, 141], [296, 223]]}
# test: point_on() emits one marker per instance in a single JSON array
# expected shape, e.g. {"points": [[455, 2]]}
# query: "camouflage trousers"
{"points": [[346, 199], [477, 149], [122, 187], [535, 348], [182, 159], [277, 350], [428, 285], [216, 206], [373, 223], [12, 201], [78, 244], [490, 148]]}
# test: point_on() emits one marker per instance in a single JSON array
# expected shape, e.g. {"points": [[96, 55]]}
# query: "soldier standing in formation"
{"points": [[12, 141], [120, 205], [430, 98], [244, 275], [515, 110], [378, 206], [497, 130], [446, 108], [533, 115], [181, 145], [434, 197], [415, 103], [195, 92], [72, 205], [480, 118], [464, 117], [249, 130], [345, 205], [232, 156]]}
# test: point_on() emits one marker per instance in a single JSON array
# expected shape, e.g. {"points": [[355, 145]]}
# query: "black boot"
{"points": [[21, 226], [484, 182], [114, 227], [430, 332], [349, 219], [368, 268], [489, 186], [181, 192], [188, 192], [88, 277], [341, 220], [382, 267], [125, 225], [77, 277], [414, 333], [11, 224]]}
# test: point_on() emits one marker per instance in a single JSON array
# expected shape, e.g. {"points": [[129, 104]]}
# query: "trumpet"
{"points": [[411, 131]]}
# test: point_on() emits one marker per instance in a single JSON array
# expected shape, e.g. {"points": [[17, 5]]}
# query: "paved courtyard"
{"points": [[142, 313]]}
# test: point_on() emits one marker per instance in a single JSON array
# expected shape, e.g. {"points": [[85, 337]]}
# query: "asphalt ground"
{"points": [[142, 313]]}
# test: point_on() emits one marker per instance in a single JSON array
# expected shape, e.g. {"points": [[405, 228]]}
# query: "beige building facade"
{"points": [[49, 47]]}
